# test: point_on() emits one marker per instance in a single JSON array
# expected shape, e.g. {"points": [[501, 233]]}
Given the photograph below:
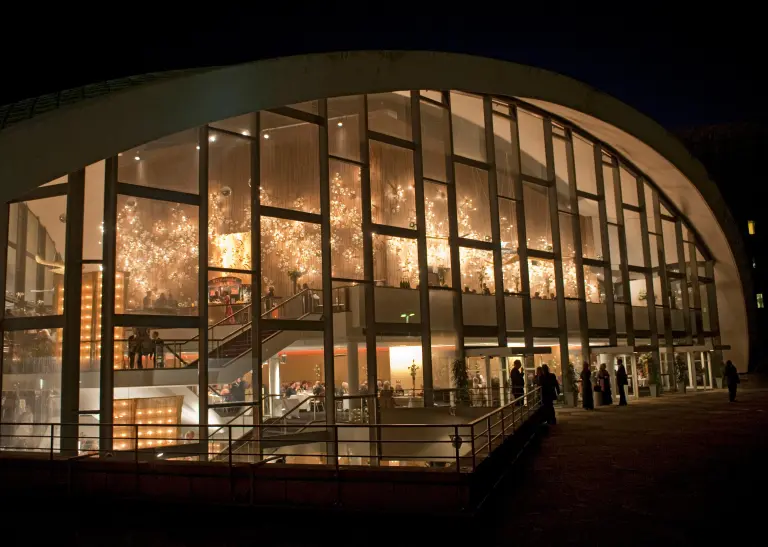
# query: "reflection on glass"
{"points": [[541, 276], [538, 226], [290, 163], [584, 160], [390, 113], [346, 220], [395, 262], [477, 271], [157, 253], [229, 202], [532, 150], [344, 127], [507, 157], [35, 275], [290, 257], [170, 163], [468, 122], [473, 203], [393, 201], [435, 141]]}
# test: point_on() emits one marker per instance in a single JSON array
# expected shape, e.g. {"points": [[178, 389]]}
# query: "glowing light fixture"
{"points": [[266, 135]]}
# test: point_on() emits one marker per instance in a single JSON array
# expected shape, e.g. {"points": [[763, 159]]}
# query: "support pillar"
{"points": [[691, 377], [635, 385]]}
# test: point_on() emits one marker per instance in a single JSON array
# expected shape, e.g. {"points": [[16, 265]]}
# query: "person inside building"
{"points": [[587, 398], [550, 390], [732, 379], [146, 346], [621, 381], [399, 391], [162, 301], [517, 381], [237, 389], [133, 349], [604, 379], [147, 300], [486, 290], [478, 385], [158, 353], [385, 396]]}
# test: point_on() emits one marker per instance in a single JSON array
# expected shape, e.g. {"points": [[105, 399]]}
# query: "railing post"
{"points": [[457, 446], [472, 431], [502, 425], [490, 436], [53, 430], [229, 440]]}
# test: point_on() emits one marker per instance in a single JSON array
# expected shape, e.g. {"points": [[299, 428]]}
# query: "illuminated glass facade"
{"points": [[352, 240]]}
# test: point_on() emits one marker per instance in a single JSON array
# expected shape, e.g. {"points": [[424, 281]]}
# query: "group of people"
{"points": [[234, 392], [140, 344], [161, 302], [602, 385]]}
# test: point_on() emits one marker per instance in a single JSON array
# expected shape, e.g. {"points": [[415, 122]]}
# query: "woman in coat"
{"points": [[621, 381], [587, 400]]}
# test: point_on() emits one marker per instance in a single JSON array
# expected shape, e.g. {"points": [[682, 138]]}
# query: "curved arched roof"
{"points": [[66, 138]]}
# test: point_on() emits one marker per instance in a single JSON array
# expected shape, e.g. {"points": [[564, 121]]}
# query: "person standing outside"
{"points": [[517, 380], [621, 381], [587, 398], [550, 390], [732, 379], [604, 378]]}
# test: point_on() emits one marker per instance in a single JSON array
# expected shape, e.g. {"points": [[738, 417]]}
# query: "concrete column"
{"points": [[353, 368], [635, 386], [708, 357], [274, 376], [691, 376]]}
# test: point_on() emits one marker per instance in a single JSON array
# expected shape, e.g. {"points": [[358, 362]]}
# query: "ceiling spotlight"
{"points": [[246, 133], [266, 135], [340, 124], [137, 158], [197, 147], [212, 138], [119, 154]]}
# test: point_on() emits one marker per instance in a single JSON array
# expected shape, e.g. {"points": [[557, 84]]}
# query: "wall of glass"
{"points": [[358, 239]]}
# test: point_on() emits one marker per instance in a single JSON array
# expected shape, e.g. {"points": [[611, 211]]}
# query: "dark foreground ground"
{"points": [[678, 470]]}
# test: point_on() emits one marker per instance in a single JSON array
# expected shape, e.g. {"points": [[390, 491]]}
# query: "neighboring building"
{"points": [[377, 232]]}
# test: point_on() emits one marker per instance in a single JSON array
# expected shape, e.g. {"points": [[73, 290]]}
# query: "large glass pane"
{"points": [[676, 294], [653, 241], [594, 284], [477, 271], [443, 333], [438, 249], [435, 141], [291, 259], [468, 124], [567, 246], [393, 200], [610, 193], [510, 270], [541, 276], [671, 258], [13, 222], [589, 221], [229, 202], [395, 262], [628, 187], [473, 203], [633, 234], [533, 155], [170, 163], [229, 298], [31, 388], [638, 289], [93, 211], [344, 127], [157, 254], [290, 163], [38, 263], [538, 226], [617, 283], [562, 178], [390, 113], [508, 224], [570, 279], [613, 242], [507, 158], [584, 159], [649, 211], [346, 220]]}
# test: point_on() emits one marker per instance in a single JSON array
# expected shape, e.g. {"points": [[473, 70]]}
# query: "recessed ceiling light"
{"points": [[120, 154], [246, 133], [212, 138], [266, 135], [137, 158], [198, 147], [340, 124]]}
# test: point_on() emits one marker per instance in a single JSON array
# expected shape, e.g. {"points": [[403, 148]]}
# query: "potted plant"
{"points": [[681, 373], [460, 381], [655, 378]]}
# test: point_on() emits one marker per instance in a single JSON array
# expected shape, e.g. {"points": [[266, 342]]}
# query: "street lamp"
{"points": [[407, 316]]}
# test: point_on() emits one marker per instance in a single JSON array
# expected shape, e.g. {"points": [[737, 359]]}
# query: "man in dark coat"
{"points": [[732, 379], [550, 389], [517, 382]]}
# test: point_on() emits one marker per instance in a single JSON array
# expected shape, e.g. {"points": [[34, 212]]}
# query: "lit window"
{"points": [[760, 303], [751, 227]]}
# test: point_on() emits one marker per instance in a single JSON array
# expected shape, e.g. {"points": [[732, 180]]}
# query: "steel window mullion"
{"points": [[694, 284], [490, 153], [256, 279], [663, 279], [679, 246], [650, 298], [159, 194], [421, 229], [389, 139], [202, 289], [5, 213], [606, 244]]}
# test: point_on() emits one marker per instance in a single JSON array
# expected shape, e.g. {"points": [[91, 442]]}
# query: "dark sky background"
{"points": [[682, 74]]}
